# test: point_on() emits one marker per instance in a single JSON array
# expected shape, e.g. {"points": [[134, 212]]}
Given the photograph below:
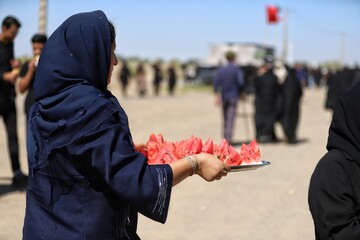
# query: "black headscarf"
{"points": [[70, 85], [78, 52], [344, 132]]}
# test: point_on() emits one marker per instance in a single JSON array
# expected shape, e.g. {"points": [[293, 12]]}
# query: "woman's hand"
{"points": [[211, 168], [205, 165]]}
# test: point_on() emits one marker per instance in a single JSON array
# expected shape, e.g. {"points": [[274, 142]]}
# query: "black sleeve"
{"points": [[6, 54], [108, 156]]}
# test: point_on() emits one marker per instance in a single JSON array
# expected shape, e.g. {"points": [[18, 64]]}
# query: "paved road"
{"points": [[268, 203]]}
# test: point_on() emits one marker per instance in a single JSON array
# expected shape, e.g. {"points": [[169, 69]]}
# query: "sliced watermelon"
{"points": [[208, 146], [234, 158], [222, 150], [159, 151]]}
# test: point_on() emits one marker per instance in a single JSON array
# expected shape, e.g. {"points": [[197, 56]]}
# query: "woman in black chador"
{"points": [[157, 78], [172, 78], [267, 90], [334, 191], [291, 96], [124, 77]]}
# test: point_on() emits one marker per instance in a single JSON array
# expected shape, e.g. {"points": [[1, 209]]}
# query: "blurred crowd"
{"points": [[140, 72], [277, 88]]}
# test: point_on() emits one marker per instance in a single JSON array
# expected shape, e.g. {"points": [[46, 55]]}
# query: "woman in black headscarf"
{"points": [[334, 192], [86, 179]]}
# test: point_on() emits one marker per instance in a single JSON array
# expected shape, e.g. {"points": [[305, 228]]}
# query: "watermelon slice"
{"points": [[250, 154], [208, 146], [222, 150], [234, 158]]}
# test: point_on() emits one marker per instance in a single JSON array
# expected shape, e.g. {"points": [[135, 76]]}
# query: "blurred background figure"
{"points": [[172, 78], [356, 73], [157, 77], [140, 80], [338, 83], [124, 77], [267, 93], [28, 69], [301, 74], [291, 100], [9, 72], [228, 83]]}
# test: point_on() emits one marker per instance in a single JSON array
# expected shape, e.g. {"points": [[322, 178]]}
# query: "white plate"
{"points": [[248, 167]]}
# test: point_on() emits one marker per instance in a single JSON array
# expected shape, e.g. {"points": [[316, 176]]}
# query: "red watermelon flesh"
{"points": [[233, 158], [250, 154], [160, 151], [208, 146]]}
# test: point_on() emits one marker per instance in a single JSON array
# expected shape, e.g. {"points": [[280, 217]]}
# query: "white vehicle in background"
{"points": [[249, 56], [246, 53]]}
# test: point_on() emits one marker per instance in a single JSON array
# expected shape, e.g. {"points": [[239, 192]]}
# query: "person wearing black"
{"points": [[27, 72], [9, 72], [157, 78], [172, 78], [334, 189], [267, 91], [124, 77], [291, 98], [339, 82]]}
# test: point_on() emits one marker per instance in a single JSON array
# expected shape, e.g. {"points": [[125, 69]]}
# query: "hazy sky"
{"points": [[318, 30]]}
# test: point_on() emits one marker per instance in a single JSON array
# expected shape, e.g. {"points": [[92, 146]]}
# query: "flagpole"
{"points": [[285, 36], [42, 16]]}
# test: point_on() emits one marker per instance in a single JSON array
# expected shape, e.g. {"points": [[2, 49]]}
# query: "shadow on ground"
{"points": [[297, 142], [8, 188]]}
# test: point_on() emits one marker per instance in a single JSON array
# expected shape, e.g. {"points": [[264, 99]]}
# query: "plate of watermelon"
{"points": [[247, 167], [160, 151]]}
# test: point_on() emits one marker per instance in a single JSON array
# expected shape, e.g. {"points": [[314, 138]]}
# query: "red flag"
{"points": [[272, 14]]}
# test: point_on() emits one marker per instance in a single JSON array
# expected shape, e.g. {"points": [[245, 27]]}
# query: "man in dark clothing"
{"points": [[228, 83], [9, 72], [267, 92], [28, 70]]}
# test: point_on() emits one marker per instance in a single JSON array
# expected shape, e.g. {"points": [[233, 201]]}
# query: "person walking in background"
{"points": [[27, 72], [124, 77], [291, 100], [172, 78], [267, 91], [9, 72], [157, 77], [88, 180], [141, 80], [228, 84], [339, 82], [301, 74], [334, 189], [331, 92]]}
